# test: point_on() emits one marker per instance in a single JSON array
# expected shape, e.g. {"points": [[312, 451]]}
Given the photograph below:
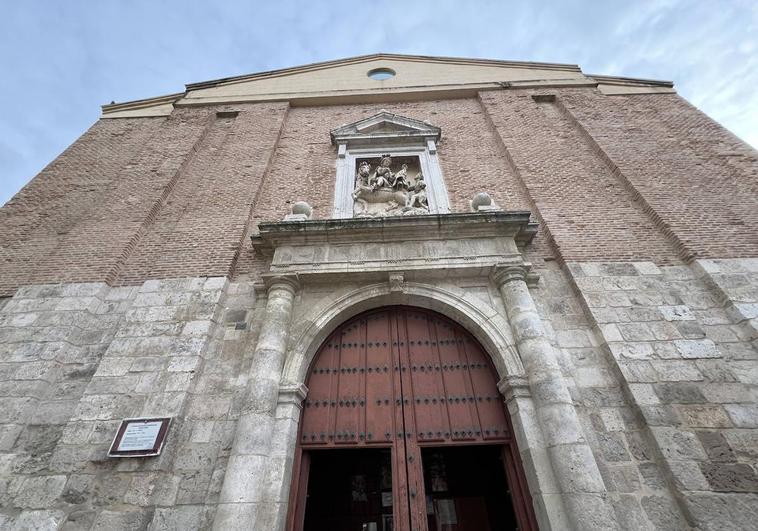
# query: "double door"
{"points": [[402, 408]]}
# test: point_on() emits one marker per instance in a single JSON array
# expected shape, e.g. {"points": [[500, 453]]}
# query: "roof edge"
{"points": [[631, 80], [363, 58], [141, 103]]}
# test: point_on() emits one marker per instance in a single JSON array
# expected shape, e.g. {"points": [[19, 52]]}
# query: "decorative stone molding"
{"points": [[454, 244], [397, 282], [386, 128], [514, 386], [292, 393]]}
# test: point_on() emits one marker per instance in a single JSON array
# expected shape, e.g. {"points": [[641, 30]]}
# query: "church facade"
{"points": [[385, 293]]}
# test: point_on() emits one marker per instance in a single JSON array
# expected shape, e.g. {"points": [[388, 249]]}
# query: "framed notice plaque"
{"points": [[141, 437]]}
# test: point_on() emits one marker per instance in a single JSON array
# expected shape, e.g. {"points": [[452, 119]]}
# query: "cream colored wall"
{"points": [[350, 77], [347, 80]]}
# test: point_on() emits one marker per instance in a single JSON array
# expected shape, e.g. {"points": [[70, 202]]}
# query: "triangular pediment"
{"points": [[385, 126], [346, 77], [350, 81]]}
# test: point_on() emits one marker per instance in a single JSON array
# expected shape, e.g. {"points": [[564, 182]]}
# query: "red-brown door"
{"points": [[406, 379]]}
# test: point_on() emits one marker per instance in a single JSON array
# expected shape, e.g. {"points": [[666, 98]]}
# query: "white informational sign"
{"points": [[140, 436]]}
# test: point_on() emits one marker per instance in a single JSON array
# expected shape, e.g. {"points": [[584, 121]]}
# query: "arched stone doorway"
{"points": [[404, 428]]}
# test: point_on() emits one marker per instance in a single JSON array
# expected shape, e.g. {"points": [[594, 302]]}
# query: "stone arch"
{"points": [[483, 321]]}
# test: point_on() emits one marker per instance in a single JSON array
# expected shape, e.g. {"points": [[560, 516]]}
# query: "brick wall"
{"points": [[610, 178], [35, 223]]}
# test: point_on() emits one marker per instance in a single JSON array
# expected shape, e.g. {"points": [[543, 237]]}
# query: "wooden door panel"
{"points": [[402, 378], [380, 381], [350, 389]]}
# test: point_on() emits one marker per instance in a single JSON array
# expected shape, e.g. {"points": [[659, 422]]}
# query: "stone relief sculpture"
{"points": [[384, 192]]}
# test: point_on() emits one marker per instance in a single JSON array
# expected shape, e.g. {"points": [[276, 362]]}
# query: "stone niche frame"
{"points": [[387, 133]]}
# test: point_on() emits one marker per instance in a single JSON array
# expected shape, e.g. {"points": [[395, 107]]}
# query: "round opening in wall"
{"points": [[380, 74]]}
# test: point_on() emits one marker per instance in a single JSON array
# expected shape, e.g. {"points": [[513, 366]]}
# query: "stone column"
{"points": [[576, 472], [272, 514], [545, 492], [242, 494]]}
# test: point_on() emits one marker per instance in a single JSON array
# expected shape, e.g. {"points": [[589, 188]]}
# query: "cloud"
{"points": [[61, 60]]}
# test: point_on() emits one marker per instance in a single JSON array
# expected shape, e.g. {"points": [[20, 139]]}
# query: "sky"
{"points": [[61, 60]]}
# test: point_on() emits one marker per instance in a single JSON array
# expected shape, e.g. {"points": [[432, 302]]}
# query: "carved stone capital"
{"points": [[292, 393], [514, 386], [288, 283], [504, 273]]}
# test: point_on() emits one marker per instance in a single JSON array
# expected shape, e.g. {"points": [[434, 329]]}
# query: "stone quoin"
{"points": [[387, 292]]}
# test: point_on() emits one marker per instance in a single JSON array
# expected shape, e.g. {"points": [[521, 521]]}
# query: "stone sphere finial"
{"points": [[301, 207], [481, 201], [301, 211]]}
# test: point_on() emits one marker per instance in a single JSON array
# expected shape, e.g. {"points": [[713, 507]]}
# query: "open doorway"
{"points": [[466, 489], [349, 490], [399, 400]]}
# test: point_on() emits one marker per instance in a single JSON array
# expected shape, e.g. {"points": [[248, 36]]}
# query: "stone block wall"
{"points": [[78, 358], [611, 424], [685, 356], [660, 362]]}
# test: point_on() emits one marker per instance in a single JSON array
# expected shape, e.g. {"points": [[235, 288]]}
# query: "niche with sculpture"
{"points": [[389, 186]]}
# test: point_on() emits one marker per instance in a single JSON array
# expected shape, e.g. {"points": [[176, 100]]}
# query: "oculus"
{"points": [[380, 74]]}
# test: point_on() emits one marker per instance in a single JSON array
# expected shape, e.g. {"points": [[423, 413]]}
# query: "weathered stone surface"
{"points": [[130, 520], [732, 512], [716, 446], [743, 415], [39, 492], [730, 477], [185, 517], [663, 513]]}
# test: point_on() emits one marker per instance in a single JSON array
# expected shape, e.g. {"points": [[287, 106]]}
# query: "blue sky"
{"points": [[60, 60]]}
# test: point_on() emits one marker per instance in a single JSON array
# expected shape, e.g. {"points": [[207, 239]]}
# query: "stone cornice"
{"points": [[373, 130], [515, 224], [370, 249]]}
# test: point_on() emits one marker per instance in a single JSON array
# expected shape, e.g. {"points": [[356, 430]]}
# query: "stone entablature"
{"points": [[428, 245]]}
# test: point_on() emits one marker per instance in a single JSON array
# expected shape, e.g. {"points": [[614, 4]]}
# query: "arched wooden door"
{"points": [[408, 380]]}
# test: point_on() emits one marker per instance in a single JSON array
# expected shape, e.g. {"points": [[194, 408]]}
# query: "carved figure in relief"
{"points": [[364, 172], [400, 179], [383, 177], [417, 198], [382, 192]]}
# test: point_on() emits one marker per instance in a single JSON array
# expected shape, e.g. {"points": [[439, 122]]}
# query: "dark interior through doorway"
{"points": [[349, 490], [466, 490]]}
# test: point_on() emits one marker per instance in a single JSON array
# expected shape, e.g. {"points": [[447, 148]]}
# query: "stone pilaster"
{"points": [[245, 483], [571, 459]]}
